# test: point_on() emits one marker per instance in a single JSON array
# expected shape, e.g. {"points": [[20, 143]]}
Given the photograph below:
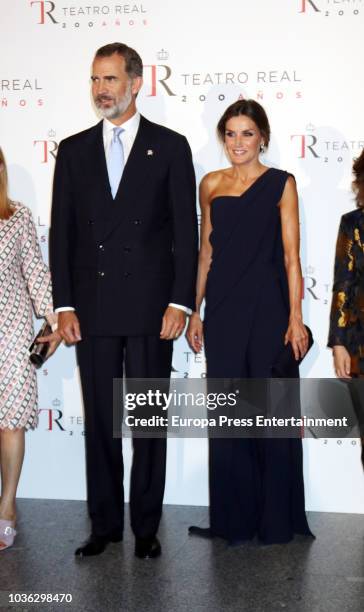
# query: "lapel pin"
{"points": [[150, 152]]}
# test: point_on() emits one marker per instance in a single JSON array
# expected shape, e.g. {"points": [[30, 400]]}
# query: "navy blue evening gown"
{"points": [[256, 485]]}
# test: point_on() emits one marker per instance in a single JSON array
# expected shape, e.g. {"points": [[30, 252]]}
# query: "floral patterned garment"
{"points": [[24, 282], [347, 308]]}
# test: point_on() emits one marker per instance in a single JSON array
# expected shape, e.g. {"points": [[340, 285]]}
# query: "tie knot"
{"points": [[117, 131]]}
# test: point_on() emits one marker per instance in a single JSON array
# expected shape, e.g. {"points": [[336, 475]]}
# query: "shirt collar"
{"points": [[130, 126]]}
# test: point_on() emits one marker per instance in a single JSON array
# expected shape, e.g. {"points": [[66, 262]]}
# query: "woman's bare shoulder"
{"points": [[211, 180]]}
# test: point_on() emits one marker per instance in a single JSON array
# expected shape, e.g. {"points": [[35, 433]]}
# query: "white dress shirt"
{"points": [[127, 138]]}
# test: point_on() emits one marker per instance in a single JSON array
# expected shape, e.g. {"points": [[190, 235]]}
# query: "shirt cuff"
{"points": [[65, 309], [184, 308]]}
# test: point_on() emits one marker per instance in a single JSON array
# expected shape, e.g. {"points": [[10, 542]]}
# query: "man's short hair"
{"points": [[133, 61]]}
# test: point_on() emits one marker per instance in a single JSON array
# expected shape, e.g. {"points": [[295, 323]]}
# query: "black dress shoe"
{"points": [[202, 532], [147, 548], [95, 545]]}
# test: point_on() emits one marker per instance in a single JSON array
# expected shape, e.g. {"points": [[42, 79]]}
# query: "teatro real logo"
{"points": [[306, 143], [161, 79], [46, 149], [8, 85], [49, 12], [326, 145], [53, 417], [21, 92], [158, 77], [306, 5], [162, 55], [330, 8], [45, 10]]}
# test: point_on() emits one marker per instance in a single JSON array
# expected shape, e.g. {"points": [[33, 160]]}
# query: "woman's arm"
{"points": [[344, 275], [34, 270], [38, 280], [341, 305], [296, 332], [194, 331], [205, 253]]}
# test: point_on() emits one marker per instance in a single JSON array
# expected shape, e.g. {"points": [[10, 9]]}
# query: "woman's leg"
{"points": [[12, 443]]}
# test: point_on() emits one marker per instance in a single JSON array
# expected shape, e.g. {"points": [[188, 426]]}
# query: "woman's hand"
{"points": [[194, 332], [54, 340], [342, 361], [298, 337], [54, 344]]}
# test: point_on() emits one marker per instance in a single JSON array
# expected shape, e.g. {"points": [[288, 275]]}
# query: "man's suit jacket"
{"points": [[120, 262]]}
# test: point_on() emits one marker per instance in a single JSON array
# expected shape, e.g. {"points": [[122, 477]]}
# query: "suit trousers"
{"points": [[100, 360]]}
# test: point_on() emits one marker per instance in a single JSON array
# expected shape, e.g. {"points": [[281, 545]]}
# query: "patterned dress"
{"points": [[347, 307], [24, 282]]}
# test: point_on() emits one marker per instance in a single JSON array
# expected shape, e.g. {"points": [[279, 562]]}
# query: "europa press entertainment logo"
{"points": [[49, 12], [330, 8]]}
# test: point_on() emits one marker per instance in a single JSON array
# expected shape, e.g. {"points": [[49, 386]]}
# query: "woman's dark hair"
{"points": [[133, 61], [251, 109], [358, 182]]}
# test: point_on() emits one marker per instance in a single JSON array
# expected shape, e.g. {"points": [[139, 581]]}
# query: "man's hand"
{"points": [[69, 327], [173, 323]]}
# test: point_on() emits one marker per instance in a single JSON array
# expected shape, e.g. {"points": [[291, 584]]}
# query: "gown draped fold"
{"points": [[256, 485]]}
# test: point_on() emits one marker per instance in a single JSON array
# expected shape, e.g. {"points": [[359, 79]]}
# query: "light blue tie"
{"points": [[115, 161]]}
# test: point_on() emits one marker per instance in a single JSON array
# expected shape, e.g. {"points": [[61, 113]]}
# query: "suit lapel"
{"points": [[135, 174], [97, 174]]}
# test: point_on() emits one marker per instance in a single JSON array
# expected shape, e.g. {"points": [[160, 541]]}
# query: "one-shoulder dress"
{"points": [[256, 485]]}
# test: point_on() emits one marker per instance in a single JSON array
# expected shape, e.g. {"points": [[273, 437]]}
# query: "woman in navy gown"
{"points": [[250, 276]]}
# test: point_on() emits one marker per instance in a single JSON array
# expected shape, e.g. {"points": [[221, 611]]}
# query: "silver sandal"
{"points": [[7, 533]]}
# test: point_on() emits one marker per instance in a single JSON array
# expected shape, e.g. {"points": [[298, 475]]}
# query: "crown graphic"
{"points": [[162, 54], [310, 270], [51, 133], [56, 402], [310, 127]]}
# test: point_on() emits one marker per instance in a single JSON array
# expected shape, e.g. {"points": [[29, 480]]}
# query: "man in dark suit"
{"points": [[123, 253]]}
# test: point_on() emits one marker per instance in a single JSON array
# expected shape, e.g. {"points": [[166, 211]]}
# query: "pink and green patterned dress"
{"points": [[25, 284]]}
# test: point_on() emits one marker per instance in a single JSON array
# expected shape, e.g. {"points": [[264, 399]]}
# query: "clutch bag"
{"points": [[286, 364], [38, 352]]}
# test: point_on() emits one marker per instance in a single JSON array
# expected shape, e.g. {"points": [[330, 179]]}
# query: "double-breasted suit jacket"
{"points": [[120, 262], [347, 308]]}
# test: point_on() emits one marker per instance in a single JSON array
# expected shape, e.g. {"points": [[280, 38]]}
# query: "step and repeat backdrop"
{"points": [[301, 59]]}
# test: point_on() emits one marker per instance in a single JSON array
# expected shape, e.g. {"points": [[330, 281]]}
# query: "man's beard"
{"points": [[117, 109]]}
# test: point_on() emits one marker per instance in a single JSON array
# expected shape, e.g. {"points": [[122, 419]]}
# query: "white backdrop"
{"points": [[302, 59]]}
